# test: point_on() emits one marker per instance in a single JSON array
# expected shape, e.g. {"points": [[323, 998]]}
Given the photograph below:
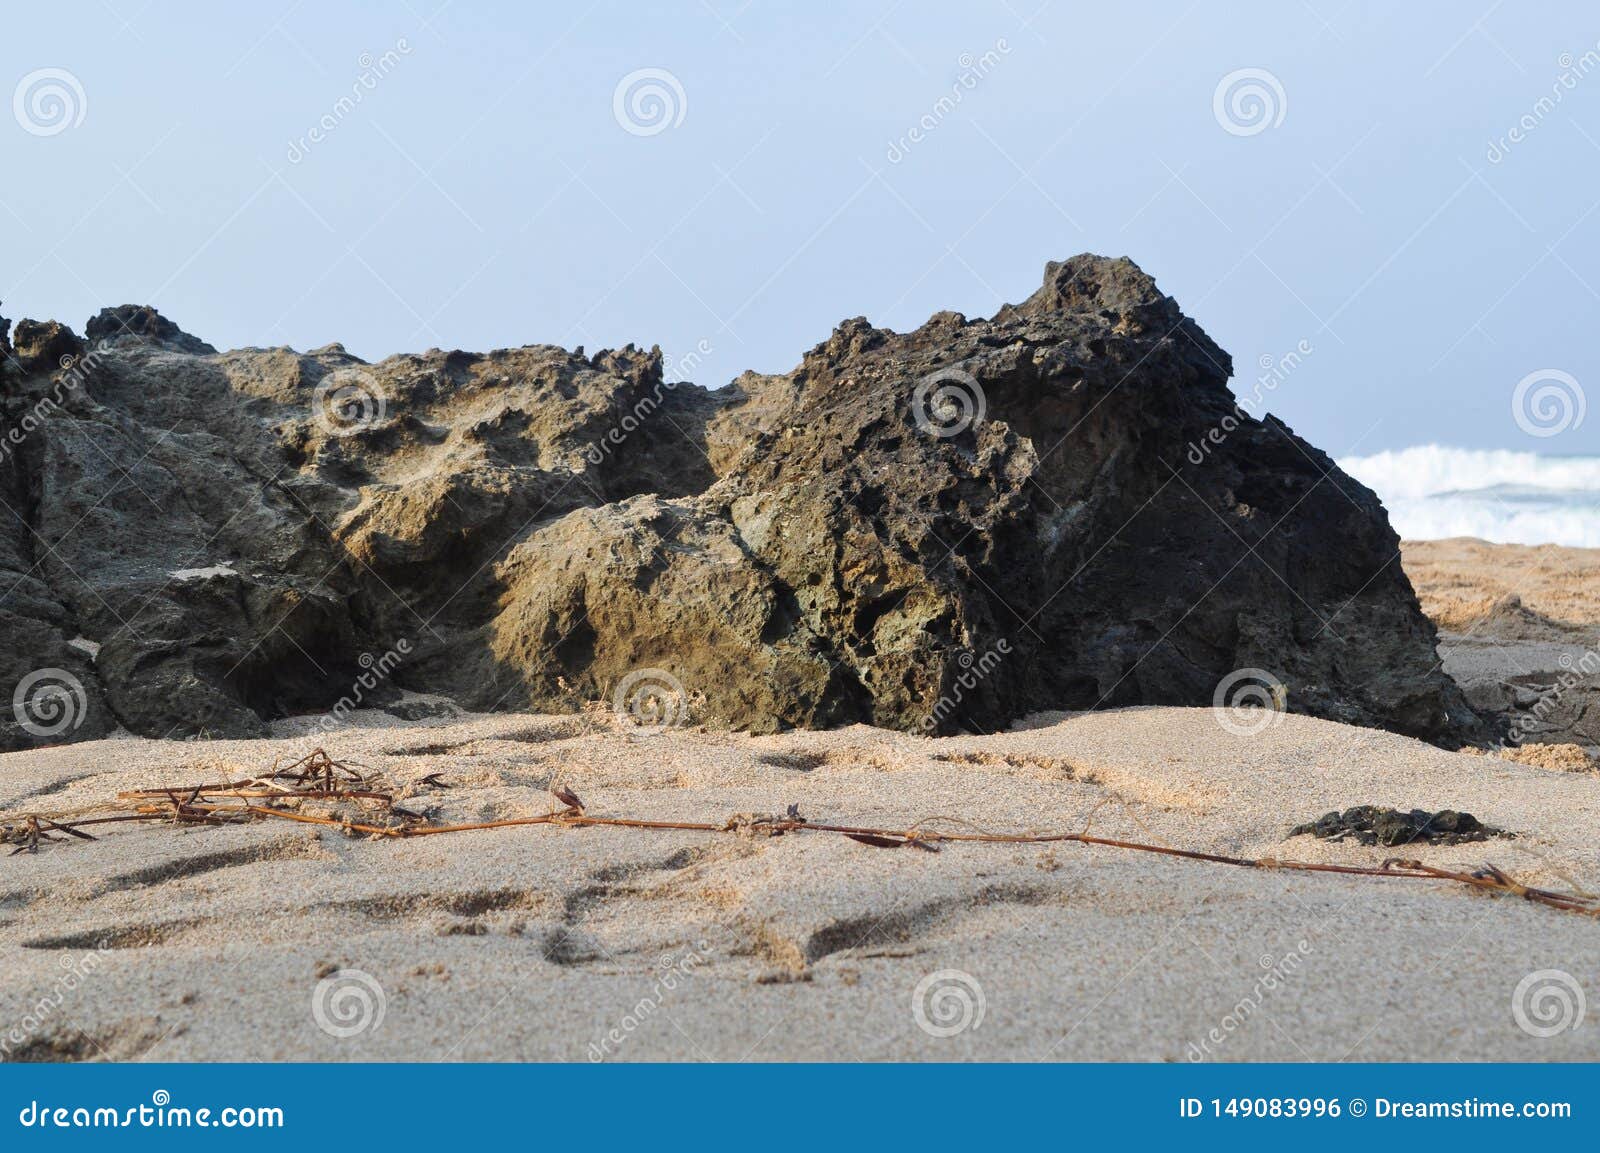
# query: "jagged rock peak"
{"points": [[141, 322]]}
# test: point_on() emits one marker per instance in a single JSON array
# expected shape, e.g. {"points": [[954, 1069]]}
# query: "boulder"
{"points": [[1060, 507]]}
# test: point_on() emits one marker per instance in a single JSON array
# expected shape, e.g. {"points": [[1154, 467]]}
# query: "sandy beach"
{"points": [[271, 941], [1519, 631]]}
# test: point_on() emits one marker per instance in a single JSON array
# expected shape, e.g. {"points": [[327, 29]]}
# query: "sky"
{"points": [[731, 180]]}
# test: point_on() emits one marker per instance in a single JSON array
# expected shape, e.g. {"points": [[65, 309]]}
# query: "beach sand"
{"points": [[1458, 580], [1519, 630], [533, 943]]}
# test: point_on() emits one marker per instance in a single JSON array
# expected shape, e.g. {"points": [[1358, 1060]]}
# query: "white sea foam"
{"points": [[1433, 491]]}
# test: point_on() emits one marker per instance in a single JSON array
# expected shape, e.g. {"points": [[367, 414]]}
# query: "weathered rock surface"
{"points": [[930, 531], [1375, 825]]}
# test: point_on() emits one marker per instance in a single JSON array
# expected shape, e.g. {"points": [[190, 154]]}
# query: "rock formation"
{"points": [[1060, 507]]}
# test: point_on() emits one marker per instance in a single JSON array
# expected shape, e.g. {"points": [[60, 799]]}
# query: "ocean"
{"points": [[1433, 491]]}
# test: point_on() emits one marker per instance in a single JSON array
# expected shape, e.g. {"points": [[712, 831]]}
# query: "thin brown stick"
{"points": [[318, 777]]}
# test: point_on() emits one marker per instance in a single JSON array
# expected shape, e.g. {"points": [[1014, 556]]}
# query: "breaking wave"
{"points": [[1432, 491]]}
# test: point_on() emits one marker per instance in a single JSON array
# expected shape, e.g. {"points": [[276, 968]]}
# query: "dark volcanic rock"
{"points": [[1371, 825], [141, 322], [934, 530], [40, 346]]}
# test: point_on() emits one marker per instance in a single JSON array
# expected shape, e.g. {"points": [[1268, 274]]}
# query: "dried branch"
{"points": [[317, 777]]}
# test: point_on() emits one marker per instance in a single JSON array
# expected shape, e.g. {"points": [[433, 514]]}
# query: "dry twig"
{"points": [[317, 777]]}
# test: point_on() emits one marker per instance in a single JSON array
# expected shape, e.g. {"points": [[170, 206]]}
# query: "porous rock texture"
{"points": [[932, 531]]}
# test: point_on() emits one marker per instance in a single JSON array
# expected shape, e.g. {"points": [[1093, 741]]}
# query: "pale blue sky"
{"points": [[483, 193]]}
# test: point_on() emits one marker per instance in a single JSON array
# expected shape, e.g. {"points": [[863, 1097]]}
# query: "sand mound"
{"points": [[1502, 617]]}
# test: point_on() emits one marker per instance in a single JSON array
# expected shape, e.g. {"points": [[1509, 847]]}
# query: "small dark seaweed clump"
{"points": [[1371, 825]]}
